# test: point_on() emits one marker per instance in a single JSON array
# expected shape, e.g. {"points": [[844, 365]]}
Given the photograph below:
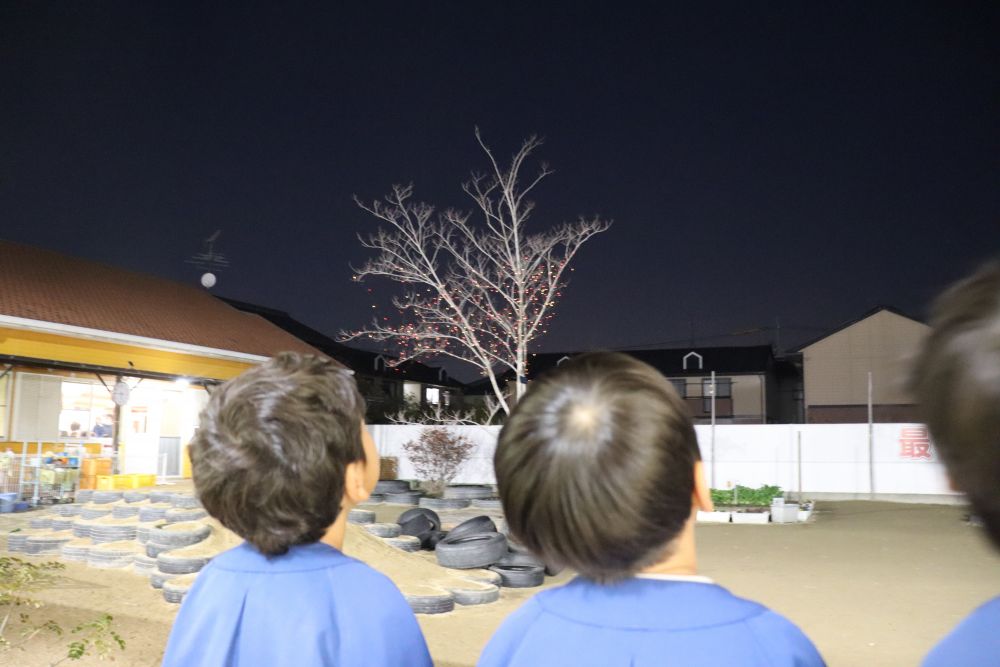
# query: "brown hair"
{"points": [[595, 466], [269, 456], [956, 380]]}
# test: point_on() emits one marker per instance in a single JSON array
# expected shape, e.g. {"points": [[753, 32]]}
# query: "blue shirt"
{"points": [[975, 642], [646, 623], [310, 606]]}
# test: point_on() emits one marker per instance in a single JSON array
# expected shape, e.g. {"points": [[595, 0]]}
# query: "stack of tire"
{"points": [[170, 565], [396, 491], [472, 544]]}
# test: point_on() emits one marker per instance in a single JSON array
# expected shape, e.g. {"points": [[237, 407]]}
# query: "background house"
{"points": [[752, 385], [386, 388], [836, 367]]}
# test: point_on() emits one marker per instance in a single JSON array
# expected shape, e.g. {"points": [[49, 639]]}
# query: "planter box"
{"points": [[804, 515], [785, 513], [714, 517], [751, 517]]}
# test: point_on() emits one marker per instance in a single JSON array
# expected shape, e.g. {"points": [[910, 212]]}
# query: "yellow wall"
{"points": [[93, 448], [75, 350]]}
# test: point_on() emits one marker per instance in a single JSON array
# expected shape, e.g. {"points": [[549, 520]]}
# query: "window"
{"points": [[433, 396], [723, 389], [87, 410], [680, 386]]}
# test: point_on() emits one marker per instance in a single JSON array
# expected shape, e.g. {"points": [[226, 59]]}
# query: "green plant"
{"points": [[20, 578], [744, 495]]}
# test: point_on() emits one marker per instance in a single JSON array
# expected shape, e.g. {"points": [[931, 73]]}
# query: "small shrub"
{"points": [[437, 455], [744, 495]]}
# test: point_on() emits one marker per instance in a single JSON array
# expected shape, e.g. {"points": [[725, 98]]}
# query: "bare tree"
{"points": [[441, 416], [479, 293]]}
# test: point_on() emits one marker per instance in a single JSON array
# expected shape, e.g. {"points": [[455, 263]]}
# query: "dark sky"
{"points": [[801, 161]]}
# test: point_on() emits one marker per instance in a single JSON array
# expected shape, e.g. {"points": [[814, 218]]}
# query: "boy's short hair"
{"points": [[595, 466], [272, 447], [956, 380]]}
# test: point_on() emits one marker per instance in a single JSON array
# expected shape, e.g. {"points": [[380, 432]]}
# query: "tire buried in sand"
{"points": [[520, 576], [430, 600]]}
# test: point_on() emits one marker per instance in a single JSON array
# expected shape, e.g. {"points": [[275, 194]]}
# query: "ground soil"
{"points": [[873, 584]]}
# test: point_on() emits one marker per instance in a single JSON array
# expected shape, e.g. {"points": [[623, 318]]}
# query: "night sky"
{"points": [[794, 161]]}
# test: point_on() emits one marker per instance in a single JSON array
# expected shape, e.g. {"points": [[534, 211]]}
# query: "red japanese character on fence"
{"points": [[915, 443]]}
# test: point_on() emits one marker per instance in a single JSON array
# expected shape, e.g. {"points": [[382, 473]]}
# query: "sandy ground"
{"points": [[872, 583]]}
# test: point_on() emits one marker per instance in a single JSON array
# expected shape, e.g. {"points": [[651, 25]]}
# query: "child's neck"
{"points": [[682, 558], [334, 535]]}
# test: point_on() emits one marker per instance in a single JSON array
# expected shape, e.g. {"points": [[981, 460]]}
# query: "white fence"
{"points": [[827, 458]]}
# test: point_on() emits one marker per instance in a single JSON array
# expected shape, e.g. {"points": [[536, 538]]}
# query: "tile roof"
{"points": [[44, 285], [361, 361]]}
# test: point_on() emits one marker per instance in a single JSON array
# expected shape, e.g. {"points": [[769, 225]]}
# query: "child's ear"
{"points": [[355, 486], [701, 497]]}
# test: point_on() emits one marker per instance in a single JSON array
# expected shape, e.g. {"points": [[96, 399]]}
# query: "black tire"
{"points": [[392, 486], [404, 542], [161, 496], [150, 513], [102, 497], [471, 551], [468, 491], [477, 524], [84, 495], [420, 527], [431, 604], [420, 511], [186, 502], [487, 503], [520, 576], [517, 558], [434, 539], [473, 596], [524, 557], [552, 569], [135, 496], [42, 522], [95, 512], [157, 578], [383, 529], [374, 499], [406, 498], [179, 536], [174, 590], [179, 514], [171, 564], [444, 503], [154, 550], [361, 516], [125, 512]]}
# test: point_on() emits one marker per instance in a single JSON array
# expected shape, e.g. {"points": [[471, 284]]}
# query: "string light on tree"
{"points": [[479, 293]]}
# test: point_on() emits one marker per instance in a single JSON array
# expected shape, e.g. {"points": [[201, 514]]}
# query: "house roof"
{"points": [[364, 362], [670, 362], [47, 286], [874, 311]]}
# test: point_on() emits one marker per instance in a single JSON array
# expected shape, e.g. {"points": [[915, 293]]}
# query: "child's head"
{"points": [[596, 466], [277, 447], [956, 380]]}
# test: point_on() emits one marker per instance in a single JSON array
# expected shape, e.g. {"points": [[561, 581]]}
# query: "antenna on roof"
{"points": [[209, 260]]}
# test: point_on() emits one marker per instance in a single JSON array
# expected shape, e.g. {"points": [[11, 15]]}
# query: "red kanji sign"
{"points": [[914, 443]]}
